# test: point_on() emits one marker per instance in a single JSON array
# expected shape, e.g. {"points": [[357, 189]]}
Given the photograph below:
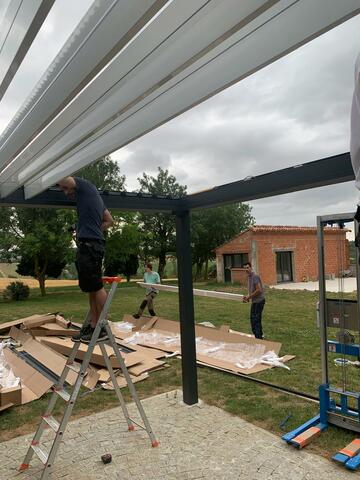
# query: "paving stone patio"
{"points": [[199, 442]]}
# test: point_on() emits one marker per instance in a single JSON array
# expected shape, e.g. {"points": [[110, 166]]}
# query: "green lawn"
{"points": [[289, 317]]}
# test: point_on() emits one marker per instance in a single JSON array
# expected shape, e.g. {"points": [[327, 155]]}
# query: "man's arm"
{"points": [[107, 220], [255, 293]]}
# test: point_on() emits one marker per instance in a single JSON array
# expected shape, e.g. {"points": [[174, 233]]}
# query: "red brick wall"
{"points": [[305, 258], [303, 244]]}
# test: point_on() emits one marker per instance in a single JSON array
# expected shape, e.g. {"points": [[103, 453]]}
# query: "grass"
{"points": [[289, 317]]}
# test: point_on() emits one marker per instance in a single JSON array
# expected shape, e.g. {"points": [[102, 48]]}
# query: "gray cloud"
{"points": [[293, 111]]}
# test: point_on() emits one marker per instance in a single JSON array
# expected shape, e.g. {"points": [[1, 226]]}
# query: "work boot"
{"points": [[152, 313], [86, 338], [83, 331]]}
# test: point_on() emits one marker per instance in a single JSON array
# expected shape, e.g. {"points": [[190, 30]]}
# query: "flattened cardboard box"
{"points": [[4, 327], [33, 383], [65, 345], [51, 359], [9, 397], [170, 327]]}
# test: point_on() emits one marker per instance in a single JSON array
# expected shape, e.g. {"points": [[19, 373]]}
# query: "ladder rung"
{"points": [[52, 422], [75, 367], [40, 453], [62, 393], [138, 424]]}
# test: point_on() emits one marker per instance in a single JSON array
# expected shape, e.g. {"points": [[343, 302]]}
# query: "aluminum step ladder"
{"points": [[47, 420]]}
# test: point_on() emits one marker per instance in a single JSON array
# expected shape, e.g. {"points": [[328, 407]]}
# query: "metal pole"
{"points": [[186, 308], [322, 302], [356, 232]]}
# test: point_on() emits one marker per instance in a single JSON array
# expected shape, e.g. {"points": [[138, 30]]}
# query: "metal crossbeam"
{"points": [[113, 200], [319, 173]]}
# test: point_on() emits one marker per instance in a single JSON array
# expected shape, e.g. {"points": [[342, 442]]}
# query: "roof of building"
{"points": [[283, 229]]}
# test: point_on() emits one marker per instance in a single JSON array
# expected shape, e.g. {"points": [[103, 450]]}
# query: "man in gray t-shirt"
{"points": [[257, 297], [93, 219]]}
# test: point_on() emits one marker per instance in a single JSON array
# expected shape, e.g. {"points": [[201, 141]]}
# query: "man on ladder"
{"points": [[93, 219]]}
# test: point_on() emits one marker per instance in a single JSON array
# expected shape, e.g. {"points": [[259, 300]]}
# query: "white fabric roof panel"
{"points": [[20, 22], [189, 52], [106, 28]]}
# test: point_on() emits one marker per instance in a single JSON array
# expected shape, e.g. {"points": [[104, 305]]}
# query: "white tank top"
{"points": [[355, 126]]}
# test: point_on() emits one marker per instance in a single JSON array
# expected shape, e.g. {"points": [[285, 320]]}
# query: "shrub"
{"points": [[16, 291]]}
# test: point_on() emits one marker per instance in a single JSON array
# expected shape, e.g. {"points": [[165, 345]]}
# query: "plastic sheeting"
{"points": [[241, 355], [7, 377], [121, 326]]}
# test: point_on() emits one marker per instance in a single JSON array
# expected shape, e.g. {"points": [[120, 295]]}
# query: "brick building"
{"points": [[282, 254]]}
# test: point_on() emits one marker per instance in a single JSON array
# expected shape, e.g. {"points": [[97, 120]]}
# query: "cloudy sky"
{"points": [[293, 111]]}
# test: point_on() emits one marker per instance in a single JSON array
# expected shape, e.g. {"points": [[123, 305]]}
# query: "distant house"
{"points": [[282, 254]]}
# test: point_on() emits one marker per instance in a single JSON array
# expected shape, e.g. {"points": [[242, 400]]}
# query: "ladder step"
{"points": [[62, 393], [43, 456], [52, 422], [75, 367]]}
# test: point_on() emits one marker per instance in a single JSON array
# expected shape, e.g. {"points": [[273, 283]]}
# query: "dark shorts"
{"points": [[89, 258]]}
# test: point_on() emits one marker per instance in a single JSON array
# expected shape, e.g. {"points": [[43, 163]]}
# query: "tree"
{"points": [[213, 227], [104, 174], [8, 250], [122, 251], [159, 229], [40, 241]]}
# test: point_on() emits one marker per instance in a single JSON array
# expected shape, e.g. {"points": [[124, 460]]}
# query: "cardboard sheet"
{"points": [[33, 383], [5, 327], [51, 359], [9, 397], [163, 327], [65, 345], [122, 382]]}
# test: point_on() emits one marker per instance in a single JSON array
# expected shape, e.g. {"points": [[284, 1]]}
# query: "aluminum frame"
{"points": [[327, 415], [213, 72], [20, 24]]}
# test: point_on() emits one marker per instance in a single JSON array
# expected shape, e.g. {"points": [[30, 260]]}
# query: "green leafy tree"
{"points": [[159, 229], [104, 174], [122, 251], [8, 249], [213, 227], [38, 239]]}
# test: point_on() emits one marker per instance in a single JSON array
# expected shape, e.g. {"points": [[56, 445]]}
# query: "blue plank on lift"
{"points": [[294, 433], [353, 463]]}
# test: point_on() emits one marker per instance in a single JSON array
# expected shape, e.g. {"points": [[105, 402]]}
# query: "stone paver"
{"points": [[199, 442]]}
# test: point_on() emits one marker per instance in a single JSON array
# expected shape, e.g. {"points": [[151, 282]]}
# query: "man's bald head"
{"points": [[68, 186]]}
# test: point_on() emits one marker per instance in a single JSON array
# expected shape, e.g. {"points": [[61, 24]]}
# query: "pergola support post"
{"points": [[186, 308]]}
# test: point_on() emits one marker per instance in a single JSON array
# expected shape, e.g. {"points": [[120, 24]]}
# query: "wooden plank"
{"points": [[196, 291]]}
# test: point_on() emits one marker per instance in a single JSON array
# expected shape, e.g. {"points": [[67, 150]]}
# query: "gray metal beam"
{"points": [[20, 25], [327, 171], [186, 307], [54, 198]]}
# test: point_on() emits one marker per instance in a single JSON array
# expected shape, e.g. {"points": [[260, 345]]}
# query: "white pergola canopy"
{"points": [[132, 65]]}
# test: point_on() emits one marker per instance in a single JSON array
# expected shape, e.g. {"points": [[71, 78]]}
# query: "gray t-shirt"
{"points": [[253, 280], [90, 210]]}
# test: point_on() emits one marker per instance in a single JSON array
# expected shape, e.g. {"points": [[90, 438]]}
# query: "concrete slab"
{"points": [[335, 285], [199, 442]]}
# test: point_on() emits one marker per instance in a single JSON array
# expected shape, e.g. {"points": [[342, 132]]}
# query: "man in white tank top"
{"points": [[355, 131]]}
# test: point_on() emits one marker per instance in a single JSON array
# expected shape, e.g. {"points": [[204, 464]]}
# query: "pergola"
{"points": [[129, 67]]}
